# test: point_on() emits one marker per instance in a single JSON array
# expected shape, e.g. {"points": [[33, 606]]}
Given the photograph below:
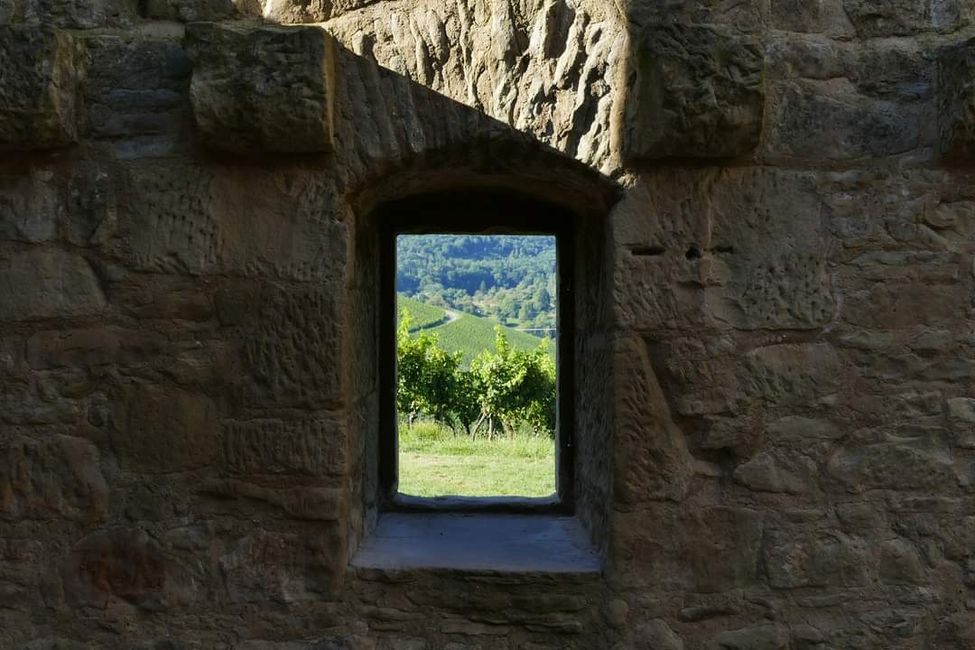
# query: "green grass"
{"points": [[435, 462], [471, 334], [422, 314]]}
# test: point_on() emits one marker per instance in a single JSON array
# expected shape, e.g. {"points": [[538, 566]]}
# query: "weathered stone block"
{"points": [[956, 115], [308, 11], [293, 357], [262, 89], [699, 93], [903, 465], [38, 78], [78, 14], [782, 472], [47, 283], [163, 430], [652, 461], [71, 348], [686, 548], [823, 16], [833, 120], [29, 207], [194, 10], [759, 637], [59, 477], [311, 503], [961, 415], [125, 564], [137, 95], [745, 16], [282, 568], [791, 374], [308, 447], [799, 558], [904, 17]]}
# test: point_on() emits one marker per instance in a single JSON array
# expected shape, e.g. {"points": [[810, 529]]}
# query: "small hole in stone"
{"points": [[693, 252]]}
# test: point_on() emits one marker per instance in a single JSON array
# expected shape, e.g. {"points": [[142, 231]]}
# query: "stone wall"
{"points": [[781, 246]]}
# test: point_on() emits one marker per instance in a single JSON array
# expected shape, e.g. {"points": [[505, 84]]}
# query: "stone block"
{"points": [[759, 637], [796, 559], [823, 16], [791, 374], [879, 18], [902, 465], [164, 430], [308, 11], [798, 430], [123, 564], [652, 635], [688, 548], [293, 353], [248, 221], [956, 114], [833, 120], [777, 473], [79, 14], [307, 503], [47, 283], [961, 416], [284, 568], [306, 447], [266, 89], [29, 206], [652, 460], [56, 477], [746, 15], [195, 10], [699, 93], [37, 88], [767, 234], [136, 95], [59, 349]]}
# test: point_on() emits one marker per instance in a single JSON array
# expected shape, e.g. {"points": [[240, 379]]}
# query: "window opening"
{"points": [[477, 359], [477, 366]]}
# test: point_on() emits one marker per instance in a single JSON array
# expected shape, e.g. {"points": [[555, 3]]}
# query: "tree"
{"points": [[516, 387], [505, 389]]}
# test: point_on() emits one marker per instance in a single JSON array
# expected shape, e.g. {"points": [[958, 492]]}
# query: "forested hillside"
{"points": [[509, 278]]}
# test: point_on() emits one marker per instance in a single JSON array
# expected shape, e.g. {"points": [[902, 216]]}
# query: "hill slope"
{"points": [[464, 333]]}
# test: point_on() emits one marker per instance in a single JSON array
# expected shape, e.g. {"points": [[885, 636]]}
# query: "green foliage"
{"points": [[506, 391], [422, 315], [469, 335], [427, 376], [510, 278]]}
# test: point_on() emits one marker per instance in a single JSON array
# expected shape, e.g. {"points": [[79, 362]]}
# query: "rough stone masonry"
{"points": [[777, 449]]}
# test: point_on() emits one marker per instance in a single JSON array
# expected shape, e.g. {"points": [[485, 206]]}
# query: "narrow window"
{"points": [[477, 371]]}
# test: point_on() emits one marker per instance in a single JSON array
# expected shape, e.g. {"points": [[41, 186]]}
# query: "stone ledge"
{"points": [[262, 89], [37, 88], [482, 543]]}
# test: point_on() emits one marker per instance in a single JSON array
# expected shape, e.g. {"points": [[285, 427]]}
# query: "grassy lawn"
{"points": [[435, 462]]}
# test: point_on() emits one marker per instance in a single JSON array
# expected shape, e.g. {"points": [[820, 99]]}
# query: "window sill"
{"points": [[480, 542]]}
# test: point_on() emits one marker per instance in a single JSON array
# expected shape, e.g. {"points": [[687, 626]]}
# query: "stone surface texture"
{"points": [[261, 89], [699, 93], [775, 352], [38, 87]]}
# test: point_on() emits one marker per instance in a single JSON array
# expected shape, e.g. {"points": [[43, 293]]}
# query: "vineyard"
{"points": [[463, 333]]}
